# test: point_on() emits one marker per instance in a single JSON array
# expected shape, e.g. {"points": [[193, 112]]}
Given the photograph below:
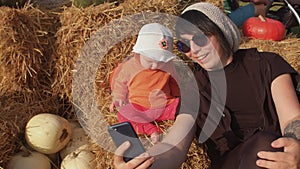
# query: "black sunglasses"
{"points": [[199, 39]]}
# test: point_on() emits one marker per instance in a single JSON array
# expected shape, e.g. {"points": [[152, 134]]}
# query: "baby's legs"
{"points": [[155, 137], [245, 155], [143, 128], [149, 129], [170, 111], [142, 118]]}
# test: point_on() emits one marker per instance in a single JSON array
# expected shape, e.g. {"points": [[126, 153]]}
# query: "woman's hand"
{"points": [[142, 161], [290, 158]]}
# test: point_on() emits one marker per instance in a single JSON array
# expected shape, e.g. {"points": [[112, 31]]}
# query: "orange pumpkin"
{"points": [[264, 28]]}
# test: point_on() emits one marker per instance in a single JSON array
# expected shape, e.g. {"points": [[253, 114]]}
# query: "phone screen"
{"points": [[122, 132]]}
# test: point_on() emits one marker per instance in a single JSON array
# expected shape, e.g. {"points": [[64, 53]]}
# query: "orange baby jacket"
{"points": [[150, 88]]}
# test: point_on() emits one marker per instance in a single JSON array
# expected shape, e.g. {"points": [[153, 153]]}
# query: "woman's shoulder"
{"points": [[252, 53], [269, 61], [255, 55]]}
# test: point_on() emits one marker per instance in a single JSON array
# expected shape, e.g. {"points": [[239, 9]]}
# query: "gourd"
{"points": [[47, 133], [29, 160], [264, 28], [81, 158], [78, 138]]}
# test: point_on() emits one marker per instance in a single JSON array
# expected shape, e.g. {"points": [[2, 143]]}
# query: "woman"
{"points": [[260, 124]]}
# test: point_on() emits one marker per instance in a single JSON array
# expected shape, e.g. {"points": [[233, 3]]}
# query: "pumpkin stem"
{"points": [[64, 135], [25, 151], [262, 18], [75, 154]]}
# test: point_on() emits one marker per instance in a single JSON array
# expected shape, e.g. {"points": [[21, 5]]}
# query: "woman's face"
{"points": [[208, 55]]}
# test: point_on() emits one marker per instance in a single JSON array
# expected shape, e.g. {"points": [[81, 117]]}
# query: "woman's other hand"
{"points": [[290, 158]]}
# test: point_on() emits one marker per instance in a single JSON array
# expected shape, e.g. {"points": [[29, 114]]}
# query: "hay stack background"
{"points": [[75, 31], [37, 63], [26, 46]]}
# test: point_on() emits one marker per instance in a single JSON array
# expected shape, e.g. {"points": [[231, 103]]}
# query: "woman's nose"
{"points": [[194, 47]]}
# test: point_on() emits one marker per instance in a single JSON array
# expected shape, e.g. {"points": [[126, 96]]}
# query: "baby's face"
{"points": [[149, 63]]}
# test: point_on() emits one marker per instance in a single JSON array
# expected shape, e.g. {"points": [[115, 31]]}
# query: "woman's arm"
{"points": [[170, 153], [288, 110], [286, 103], [173, 149]]}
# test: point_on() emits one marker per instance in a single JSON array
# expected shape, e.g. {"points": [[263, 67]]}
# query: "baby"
{"points": [[144, 87]]}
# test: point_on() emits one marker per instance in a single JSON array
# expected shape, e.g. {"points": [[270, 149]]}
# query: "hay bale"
{"points": [[27, 42], [78, 25], [25, 48]]}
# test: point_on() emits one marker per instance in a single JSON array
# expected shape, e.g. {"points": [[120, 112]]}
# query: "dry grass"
{"points": [[26, 44]]}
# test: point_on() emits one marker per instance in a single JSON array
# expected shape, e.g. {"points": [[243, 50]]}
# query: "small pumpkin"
{"points": [[81, 158], [78, 138], [47, 133], [29, 160], [264, 28]]}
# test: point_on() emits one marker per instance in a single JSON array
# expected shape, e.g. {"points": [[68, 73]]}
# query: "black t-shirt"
{"points": [[248, 103], [241, 97]]}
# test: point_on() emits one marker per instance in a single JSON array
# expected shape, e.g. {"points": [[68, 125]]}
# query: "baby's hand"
{"points": [[116, 104]]}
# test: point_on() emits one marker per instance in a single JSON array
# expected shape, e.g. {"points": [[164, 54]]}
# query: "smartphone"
{"points": [[122, 132]]}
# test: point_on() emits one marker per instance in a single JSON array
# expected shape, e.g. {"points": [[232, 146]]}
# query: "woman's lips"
{"points": [[201, 58]]}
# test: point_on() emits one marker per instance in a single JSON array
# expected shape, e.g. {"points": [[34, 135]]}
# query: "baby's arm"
{"points": [[116, 104], [119, 89]]}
